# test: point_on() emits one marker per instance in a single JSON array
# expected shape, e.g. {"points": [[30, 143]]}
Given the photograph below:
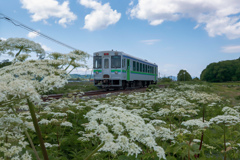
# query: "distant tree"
{"points": [[20, 45], [222, 71], [183, 75], [166, 79], [196, 79]]}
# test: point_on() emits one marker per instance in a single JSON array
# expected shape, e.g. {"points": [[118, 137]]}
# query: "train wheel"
{"points": [[124, 85]]}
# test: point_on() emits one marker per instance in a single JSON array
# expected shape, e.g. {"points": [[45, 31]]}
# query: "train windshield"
{"points": [[97, 62], [115, 61]]}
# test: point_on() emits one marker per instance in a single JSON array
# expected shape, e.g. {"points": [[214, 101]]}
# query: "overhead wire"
{"points": [[19, 24]]}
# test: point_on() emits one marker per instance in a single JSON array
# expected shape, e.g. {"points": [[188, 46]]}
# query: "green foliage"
{"points": [[72, 87], [196, 79], [237, 97], [152, 87], [165, 79], [183, 75], [222, 71], [5, 64]]}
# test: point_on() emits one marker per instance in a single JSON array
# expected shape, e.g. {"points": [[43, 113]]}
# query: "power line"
{"points": [[19, 24]]}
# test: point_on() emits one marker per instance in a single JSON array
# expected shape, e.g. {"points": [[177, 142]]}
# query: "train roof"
{"points": [[127, 55]]}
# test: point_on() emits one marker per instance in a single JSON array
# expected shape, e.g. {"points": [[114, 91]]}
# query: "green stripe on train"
{"points": [[143, 73], [114, 70], [99, 70]]}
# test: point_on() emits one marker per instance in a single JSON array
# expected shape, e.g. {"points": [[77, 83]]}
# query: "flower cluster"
{"points": [[111, 124], [12, 138]]}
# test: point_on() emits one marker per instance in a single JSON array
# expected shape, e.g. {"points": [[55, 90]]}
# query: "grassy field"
{"points": [[228, 90], [72, 87]]}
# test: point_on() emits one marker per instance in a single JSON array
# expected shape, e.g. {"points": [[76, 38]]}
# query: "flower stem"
{"points": [[225, 153], [36, 126], [32, 145], [94, 151], [200, 147]]}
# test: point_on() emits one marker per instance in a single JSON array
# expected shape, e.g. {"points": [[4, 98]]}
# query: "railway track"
{"points": [[96, 94]]}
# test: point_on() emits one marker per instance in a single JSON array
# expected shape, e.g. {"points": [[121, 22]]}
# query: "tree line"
{"points": [[222, 71]]}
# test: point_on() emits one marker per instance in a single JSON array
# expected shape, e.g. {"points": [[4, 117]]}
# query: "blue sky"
{"points": [[173, 34]]}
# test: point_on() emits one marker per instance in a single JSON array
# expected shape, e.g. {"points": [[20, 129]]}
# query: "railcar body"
{"points": [[115, 69]]}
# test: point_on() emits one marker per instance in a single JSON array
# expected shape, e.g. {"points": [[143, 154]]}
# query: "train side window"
{"points": [[106, 63], [134, 66], [137, 66], [143, 67], [140, 67], [148, 69], [123, 63]]}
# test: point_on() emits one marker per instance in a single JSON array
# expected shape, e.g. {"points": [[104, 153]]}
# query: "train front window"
{"points": [[97, 62], [115, 61], [106, 63]]}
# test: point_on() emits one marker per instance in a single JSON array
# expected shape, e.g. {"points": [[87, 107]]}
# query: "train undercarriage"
{"points": [[121, 84]]}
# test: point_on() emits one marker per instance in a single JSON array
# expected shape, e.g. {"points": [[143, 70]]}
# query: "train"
{"points": [[119, 70]]}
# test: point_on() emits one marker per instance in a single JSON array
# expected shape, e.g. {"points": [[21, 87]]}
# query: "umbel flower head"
{"points": [[225, 119], [118, 128], [20, 45], [28, 79]]}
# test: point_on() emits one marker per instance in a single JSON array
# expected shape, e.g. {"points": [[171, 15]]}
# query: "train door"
{"points": [[155, 73], [106, 66], [128, 69]]}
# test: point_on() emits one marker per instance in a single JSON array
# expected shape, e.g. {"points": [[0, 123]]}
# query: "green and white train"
{"points": [[114, 69]]}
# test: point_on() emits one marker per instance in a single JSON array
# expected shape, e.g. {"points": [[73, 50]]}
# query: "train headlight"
{"points": [[96, 72], [116, 72]]}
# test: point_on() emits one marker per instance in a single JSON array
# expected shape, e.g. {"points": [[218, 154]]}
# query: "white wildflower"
{"points": [[157, 122], [69, 111], [230, 111], [44, 121], [225, 119], [160, 152], [66, 124], [83, 139], [190, 124], [108, 137]]}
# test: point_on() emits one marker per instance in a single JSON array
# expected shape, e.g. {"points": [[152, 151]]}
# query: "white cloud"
{"points": [[82, 71], [231, 49], [101, 17], [196, 26], [3, 39], [150, 42], [32, 34], [168, 70], [44, 9], [131, 3], [220, 17], [47, 49]]}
